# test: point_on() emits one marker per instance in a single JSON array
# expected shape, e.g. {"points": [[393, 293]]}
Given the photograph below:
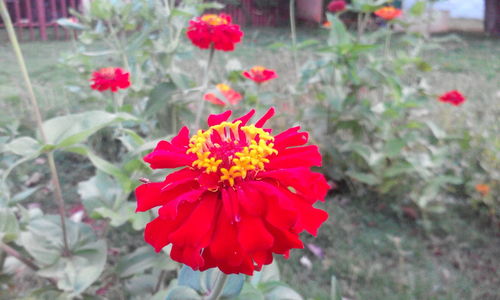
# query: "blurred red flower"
{"points": [[214, 30], [453, 97], [110, 79], [336, 6], [260, 74], [232, 96], [242, 194], [388, 13], [483, 189]]}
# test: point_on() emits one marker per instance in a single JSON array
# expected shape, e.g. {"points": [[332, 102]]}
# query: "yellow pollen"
{"points": [[258, 69], [213, 19], [223, 87], [251, 146]]}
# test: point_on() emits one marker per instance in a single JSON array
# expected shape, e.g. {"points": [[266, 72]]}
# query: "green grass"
{"points": [[373, 254]]}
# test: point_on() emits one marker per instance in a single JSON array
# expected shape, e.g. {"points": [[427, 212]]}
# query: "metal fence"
{"points": [[37, 18]]}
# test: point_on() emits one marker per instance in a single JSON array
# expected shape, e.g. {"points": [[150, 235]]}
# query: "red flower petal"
{"points": [[268, 115], [253, 235], [219, 118], [197, 229], [307, 156]]}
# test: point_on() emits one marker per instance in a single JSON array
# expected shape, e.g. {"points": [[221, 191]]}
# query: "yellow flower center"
{"points": [[231, 150], [258, 69], [213, 19], [223, 87], [107, 72]]}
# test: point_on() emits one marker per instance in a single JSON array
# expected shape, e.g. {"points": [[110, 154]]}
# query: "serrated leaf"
{"points": [[71, 129]]}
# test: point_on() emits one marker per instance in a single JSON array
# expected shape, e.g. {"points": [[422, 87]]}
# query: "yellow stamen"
{"points": [[252, 157]]}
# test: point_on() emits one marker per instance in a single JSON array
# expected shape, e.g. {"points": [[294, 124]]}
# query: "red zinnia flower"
{"points": [[388, 13], [453, 97], [242, 194], [260, 74], [110, 79], [232, 96], [336, 6], [214, 30]]}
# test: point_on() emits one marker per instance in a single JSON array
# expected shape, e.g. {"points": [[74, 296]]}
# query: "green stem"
{"points": [[218, 287], [293, 30], [387, 46], [38, 116], [204, 87]]}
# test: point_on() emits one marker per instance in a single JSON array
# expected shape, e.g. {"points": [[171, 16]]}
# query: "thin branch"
{"points": [[38, 116]]}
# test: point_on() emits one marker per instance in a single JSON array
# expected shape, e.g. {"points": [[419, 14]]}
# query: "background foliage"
{"points": [[368, 97]]}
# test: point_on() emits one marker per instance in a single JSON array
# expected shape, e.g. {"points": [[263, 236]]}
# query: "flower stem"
{"points": [[206, 77], [218, 287], [388, 40], [38, 116], [293, 30]]}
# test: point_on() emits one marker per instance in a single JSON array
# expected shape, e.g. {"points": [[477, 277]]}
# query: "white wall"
{"points": [[469, 9]]}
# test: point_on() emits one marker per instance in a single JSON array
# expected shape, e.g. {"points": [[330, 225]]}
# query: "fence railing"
{"points": [[37, 19]]}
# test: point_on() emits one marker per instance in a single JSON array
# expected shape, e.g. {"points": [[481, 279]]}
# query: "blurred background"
{"points": [[415, 199]]}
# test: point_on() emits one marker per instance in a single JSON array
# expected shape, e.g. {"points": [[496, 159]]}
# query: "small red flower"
{"points": [[232, 96], [110, 79], [240, 196], [388, 13], [483, 189], [214, 30], [336, 6], [453, 97], [327, 24], [260, 74]]}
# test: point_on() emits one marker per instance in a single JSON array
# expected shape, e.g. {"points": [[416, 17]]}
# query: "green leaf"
{"points": [[105, 166], [98, 191], [369, 179], [283, 293], [204, 281], [183, 293], [9, 227], [398, 169], [267, 274], [71, 129], [160, 96], [142, 259], [249, 292], [393, 147], [189, 277], [74, 273], [23, 146], [335, 290], [21, 196], [69, 24], [418, 8]]}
